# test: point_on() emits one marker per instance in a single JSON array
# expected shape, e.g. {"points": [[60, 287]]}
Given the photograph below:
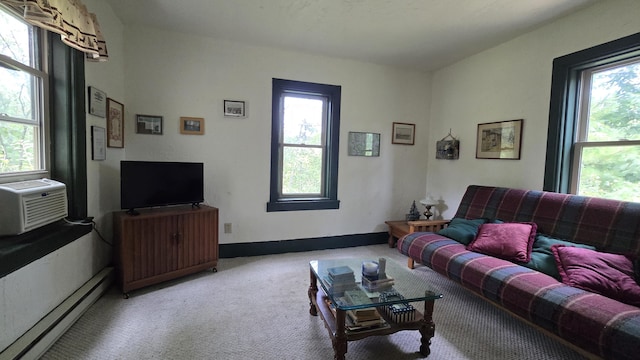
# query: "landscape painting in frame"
{"points": [[499, 140], [403, 133]]}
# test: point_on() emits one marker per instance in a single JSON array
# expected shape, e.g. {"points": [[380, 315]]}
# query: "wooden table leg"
{"points": [[392, 240], [340, 340], [313, 291], [428, 328]]}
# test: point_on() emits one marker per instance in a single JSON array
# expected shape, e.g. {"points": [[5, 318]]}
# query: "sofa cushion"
{"points": [[542, 258], [462, 230], [509, 241], [611, 275]]}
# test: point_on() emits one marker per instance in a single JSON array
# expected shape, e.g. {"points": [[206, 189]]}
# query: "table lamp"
{"points": [[428, 203]]}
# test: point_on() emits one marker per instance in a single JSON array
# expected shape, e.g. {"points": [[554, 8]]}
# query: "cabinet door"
{"points": [[197, 243], [152, 246]]}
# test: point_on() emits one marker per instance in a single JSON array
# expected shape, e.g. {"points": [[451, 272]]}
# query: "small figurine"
{"points": [[413, 214]]}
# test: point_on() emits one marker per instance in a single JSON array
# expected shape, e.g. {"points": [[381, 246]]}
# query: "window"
{"points": [[606, 160], [22, 97], [593, 145], [66, 143], [42, 112], [304, 146]]}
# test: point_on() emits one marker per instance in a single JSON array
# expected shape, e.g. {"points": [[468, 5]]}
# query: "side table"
{"points": [[400, 228]]}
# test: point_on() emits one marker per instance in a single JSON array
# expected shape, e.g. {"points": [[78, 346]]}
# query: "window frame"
{"points": [[67, 154], [582, 122], [39, 70], [564, 111], [330, 141]]}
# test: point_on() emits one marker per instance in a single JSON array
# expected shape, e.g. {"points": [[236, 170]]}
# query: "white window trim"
{"points": [[43, 117], [583, 121]]}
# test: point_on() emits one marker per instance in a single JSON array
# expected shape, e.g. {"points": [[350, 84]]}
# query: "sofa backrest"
{"points": [[609, 225]]}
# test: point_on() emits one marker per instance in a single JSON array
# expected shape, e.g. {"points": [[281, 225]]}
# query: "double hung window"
{"points": [[23, 86], [593, 142], [606, 160], [304, 146]]}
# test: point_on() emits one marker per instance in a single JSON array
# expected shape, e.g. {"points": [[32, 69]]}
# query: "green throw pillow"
{"points": [[462, 230], [542, 258]]}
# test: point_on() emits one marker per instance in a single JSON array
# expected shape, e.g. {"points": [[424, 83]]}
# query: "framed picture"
{"points": [[191, 126], [115, 124], [364, 144], [98, 140], [448, 149], [149, 124], [234, 108], [499, 140], [403, 133], [97, 102]]}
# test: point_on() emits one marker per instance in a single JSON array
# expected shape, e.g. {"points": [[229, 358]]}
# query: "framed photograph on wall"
{"points": [[403, 133], [191, 126], [149, 124], [499, 140], [98, 142], [234, 108], [97, 102], [115, 124]]}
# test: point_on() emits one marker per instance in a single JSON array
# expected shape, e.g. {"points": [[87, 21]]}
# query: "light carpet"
{"points": [[257, 308]]}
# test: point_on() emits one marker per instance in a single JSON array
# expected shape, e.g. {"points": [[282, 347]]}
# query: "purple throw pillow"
{"points": [[509, 241], [607, 274]]}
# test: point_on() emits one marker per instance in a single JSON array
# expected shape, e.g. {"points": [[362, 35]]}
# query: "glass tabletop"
{"points": [[364, 283]]}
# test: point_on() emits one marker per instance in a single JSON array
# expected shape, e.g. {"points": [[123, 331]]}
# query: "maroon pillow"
{"points": [[607, 274], [509, 241]]}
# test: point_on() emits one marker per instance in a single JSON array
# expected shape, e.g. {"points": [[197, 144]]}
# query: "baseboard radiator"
{"points": [[35, 342]]}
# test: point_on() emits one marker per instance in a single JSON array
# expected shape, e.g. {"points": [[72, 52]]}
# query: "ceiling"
{"points": [[418, 34]]}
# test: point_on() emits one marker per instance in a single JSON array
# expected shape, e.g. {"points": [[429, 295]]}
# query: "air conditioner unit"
{"points": [[28, 205]]}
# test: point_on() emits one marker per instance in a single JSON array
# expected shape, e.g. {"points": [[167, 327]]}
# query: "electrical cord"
{"points": [[93, 226]]}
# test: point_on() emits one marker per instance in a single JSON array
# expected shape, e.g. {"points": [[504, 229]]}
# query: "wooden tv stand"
{"points": [[161, 244]]}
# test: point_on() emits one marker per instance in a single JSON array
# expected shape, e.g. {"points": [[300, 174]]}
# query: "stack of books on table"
{"points": [[339, 279], [360, 319]]}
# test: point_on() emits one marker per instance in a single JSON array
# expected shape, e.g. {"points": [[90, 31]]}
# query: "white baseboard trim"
{"points": [[35, 342]]}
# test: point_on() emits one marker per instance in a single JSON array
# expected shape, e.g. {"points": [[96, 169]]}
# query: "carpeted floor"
{"points": [[257, 308]]}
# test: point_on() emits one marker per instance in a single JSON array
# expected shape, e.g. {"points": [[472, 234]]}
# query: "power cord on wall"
{"points": [[89, 222]]}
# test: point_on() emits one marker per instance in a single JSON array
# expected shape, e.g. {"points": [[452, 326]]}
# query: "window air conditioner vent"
{"points": [[28, 205]]}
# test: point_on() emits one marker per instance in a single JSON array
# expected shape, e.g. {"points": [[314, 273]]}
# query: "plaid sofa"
{"points": [[600, 325]]}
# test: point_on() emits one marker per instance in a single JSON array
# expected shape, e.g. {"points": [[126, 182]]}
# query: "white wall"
{"points": [[173, 75], [28, 294], [511, 81], [103, 177]]}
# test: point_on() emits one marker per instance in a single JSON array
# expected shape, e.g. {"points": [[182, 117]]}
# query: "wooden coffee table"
{"points": [[334, 305], [400, 228]]}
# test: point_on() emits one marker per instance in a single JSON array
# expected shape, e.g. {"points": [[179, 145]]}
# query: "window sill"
{"points": [[298, 205], [21, 250]]}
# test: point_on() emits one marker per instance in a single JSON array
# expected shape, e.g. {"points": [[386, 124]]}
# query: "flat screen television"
{"points": [[145, 184]]}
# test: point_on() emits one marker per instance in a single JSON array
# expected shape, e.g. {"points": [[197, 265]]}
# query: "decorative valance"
{"points": [[70, 18]]}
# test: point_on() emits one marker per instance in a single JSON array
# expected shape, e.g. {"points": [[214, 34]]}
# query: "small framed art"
{"points": [[403, 133], [191, 126], [98, 142], [149, 124], [115, 124], [448, 149], [499, 140], [97, 102], [234, 108]]}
